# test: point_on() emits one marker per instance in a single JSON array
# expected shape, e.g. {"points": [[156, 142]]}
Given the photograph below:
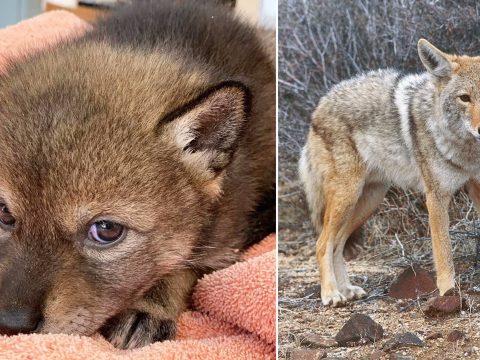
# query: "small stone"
{"points": [[401, 340], [291, 337], [443, 305], [415, 315], [455, 335], [433, 335], [412, 283], [359, 327], [377, 354], [305, 354], [317, 341], [312, 292], [398, 356]]}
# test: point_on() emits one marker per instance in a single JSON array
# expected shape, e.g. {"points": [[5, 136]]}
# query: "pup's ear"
{"points": [[206, 131], [435, 61]]}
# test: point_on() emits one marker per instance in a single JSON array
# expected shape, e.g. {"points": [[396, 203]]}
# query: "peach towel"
{"points": [[234, 318], [234, 309]]}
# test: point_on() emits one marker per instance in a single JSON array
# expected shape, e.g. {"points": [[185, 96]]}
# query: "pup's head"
{"points": [[457, 79], [111, 164]]}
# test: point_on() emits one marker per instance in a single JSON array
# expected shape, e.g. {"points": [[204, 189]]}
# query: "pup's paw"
{"points": [[352, 292], [333, 298], [134, 329]]}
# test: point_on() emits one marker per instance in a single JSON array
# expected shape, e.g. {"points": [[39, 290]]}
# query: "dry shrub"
{"points": [[322, 42]]}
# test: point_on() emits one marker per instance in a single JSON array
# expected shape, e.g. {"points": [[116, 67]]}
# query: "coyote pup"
{"points": [[385, 128], [132, 161]]}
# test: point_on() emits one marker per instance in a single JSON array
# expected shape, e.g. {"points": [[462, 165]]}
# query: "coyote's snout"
{"points": [[132, 160], [386, 128]]}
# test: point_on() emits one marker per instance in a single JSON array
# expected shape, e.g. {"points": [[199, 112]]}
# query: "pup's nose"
{"points": [[18, 321]]}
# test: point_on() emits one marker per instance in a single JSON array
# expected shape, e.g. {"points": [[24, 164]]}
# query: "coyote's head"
{"points": [[457, 81], [111, 164]]}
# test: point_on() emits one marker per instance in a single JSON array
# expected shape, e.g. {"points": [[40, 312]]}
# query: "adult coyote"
{"points": [[384, 128]]}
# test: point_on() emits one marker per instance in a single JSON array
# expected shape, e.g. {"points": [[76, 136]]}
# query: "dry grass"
{"points": [[321, 43], [324, 42]]}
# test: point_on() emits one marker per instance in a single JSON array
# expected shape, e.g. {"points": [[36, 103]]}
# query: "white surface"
{"points": [[64, 3], [268, 13], [263, 12]]}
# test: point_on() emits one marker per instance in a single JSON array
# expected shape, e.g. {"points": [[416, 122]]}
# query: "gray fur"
{"points": [[385, 128]]}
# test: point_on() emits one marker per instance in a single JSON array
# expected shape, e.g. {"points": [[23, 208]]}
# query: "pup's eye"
{"points": [[6, 219], [464, 98], [106, 232]]}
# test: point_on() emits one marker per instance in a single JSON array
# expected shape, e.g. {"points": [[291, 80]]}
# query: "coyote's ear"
{"points": [[206, 131], [435, 61]]}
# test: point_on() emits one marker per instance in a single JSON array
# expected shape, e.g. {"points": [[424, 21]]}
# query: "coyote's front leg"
{"points": [[437, 204], [153, 317], [473, 189]]}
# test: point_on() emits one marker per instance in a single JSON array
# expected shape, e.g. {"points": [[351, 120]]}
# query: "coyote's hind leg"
{"points": [[342, 191], [368, 202]]}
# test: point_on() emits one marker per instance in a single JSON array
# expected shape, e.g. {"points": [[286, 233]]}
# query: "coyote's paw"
{"points": [[334, 298], [134, 329], [446, 286], [352, 292]]}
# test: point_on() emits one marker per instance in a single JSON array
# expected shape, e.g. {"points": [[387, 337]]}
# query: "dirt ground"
{"points": [[301, 311]]}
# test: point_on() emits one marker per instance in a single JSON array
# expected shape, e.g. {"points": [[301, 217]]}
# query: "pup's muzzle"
{"points": [[19, 320]]}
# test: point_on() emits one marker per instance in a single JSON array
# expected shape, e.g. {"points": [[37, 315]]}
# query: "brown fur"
{"points": [[176, 144]]}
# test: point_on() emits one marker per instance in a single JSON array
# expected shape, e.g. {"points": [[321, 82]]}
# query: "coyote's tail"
{"points": [[311, 176], [312, 180]]}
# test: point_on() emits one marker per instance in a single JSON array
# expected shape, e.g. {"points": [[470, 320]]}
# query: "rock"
{"points": [[312, 292], [305, 354], [359, 327], [398, 356], [377, 354], [291, 337], [433, 335], [443, 305], [412, 283], [401, 340], [317, 341], [455, 335], [470, 352]]}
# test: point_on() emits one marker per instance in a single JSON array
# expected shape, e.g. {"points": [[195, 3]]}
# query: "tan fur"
{"points": [[375, 131], [474, 111]]}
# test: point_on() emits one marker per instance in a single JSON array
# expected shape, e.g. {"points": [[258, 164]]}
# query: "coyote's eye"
{"points": [[106, 232], [465, 98], [6, 219]]}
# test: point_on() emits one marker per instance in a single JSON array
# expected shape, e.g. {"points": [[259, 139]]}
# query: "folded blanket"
{"points": [[233, 315]]}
